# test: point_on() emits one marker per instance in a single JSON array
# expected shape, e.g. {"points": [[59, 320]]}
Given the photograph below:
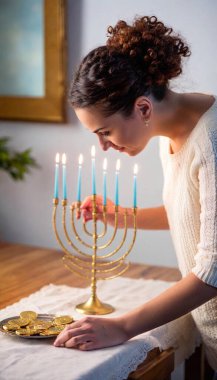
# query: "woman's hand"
{"points": [[86, 211], [90, 333]]}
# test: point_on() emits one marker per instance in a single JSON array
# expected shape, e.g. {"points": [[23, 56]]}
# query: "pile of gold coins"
{"points": [[30, 324]]}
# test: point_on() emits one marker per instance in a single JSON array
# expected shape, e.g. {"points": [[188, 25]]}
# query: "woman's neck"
{"points": [[177, 115]]}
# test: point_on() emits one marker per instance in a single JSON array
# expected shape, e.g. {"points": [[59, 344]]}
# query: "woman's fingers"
{"points": [[86, 346], [77, 341], [86, 209], [71, 339], [87, 202], [74, 205], [87, 215], [75, 335]]}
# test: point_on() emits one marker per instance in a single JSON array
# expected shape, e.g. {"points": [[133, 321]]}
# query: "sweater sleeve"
{"points": [[206, 257]]}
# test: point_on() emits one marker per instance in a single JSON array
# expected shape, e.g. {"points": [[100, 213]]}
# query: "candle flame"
{"points": [[118, 165], [63, 158], [135, 169], [57, 159], [80, 159], [93, 151], [105, 164]]}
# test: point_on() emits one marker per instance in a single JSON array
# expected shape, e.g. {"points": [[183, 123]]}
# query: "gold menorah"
{"points": [[93, 267]]}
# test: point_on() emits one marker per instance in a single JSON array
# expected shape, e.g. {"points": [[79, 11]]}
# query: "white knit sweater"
{"points": [[190, 199]]}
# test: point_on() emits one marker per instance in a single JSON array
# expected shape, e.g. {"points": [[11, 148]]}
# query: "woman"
{"points": [[121, 93]]}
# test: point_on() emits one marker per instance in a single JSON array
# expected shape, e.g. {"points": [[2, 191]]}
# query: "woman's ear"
{"points": [[143, 107]]}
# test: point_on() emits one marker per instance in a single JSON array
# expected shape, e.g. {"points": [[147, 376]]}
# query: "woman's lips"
{"points": [[119, 148]]}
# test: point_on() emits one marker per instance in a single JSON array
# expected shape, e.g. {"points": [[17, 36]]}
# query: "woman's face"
{"points": [[128, 135]]}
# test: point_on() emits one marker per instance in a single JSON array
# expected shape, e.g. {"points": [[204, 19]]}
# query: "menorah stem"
{"points": [[93, 304], [93, 277]]}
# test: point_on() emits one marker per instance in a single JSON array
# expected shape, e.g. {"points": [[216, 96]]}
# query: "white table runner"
{"points": [[32, 359]]}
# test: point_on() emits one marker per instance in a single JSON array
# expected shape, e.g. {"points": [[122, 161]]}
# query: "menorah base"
{"points": [[94, 306]]}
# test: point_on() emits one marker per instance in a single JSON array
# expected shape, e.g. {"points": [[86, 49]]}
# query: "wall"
{"points": [[26, 207]]}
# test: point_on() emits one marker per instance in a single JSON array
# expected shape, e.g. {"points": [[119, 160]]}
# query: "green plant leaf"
{"points": [[16, 164]]}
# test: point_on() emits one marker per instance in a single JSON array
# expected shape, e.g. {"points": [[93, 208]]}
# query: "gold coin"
{"points": [[30, 315], [37, 329], [25, 331], [52, 330], [7, 327], [64, 320], [12, 326], [40, 324], [19, 321]]}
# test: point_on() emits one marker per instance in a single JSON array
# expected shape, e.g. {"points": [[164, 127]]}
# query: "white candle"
{"points": [[93, 154], [135, 171], [64, 175], [80, 162], [56, 180], [118, 164], [104, 181]]}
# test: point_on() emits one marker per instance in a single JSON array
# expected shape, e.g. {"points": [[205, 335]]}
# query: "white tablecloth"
{"points": [[38, 359]]}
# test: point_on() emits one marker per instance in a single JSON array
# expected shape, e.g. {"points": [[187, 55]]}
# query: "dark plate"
{"points": [[45, 317]]}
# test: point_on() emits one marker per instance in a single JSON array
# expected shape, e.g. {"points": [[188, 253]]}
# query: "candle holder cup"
{"points": [[93, 265]]}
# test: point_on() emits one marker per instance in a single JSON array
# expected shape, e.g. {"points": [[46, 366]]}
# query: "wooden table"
{"points": [[25, 269]]}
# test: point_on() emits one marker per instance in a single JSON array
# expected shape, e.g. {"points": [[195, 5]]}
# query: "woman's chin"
{"points": [[134, 152], [131, 153]]}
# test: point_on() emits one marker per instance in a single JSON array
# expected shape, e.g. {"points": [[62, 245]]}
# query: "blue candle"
{"points": [[56, 180], [135, 186], [117, 183], [93, 153], [64, 175], [104, 181], [80, 161]]}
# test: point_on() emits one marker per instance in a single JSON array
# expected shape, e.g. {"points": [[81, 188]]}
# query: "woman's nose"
{"points": [[105, 144]]}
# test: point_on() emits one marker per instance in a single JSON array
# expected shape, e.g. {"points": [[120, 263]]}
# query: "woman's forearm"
{"points": [[149, 218], [180, 299]]}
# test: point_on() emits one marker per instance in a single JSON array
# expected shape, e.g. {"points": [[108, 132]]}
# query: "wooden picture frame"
{"points": [[51, 106]]}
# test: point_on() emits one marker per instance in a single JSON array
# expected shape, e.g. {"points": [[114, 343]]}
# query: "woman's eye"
{"points": [[106, 133]]}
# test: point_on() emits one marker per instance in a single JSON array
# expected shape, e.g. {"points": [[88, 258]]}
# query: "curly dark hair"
{"points": [[138, 59]]}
